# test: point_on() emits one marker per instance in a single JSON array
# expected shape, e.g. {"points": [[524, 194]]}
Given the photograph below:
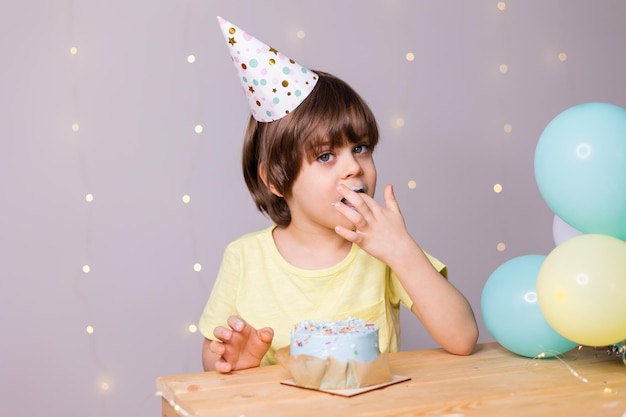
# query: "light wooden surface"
{"points": [[490, 382]]}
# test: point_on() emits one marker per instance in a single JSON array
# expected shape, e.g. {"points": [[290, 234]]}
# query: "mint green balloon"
{"points": [[511, 311], [580, 168]]}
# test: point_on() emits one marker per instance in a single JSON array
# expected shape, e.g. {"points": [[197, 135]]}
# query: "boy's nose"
{"points": [[351, 166]]}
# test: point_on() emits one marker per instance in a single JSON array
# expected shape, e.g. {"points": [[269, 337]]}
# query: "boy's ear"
{"points": [[263, 175]]}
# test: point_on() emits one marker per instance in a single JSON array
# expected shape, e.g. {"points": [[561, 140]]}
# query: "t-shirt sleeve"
{"points": [[397, 292], [221, 302]]}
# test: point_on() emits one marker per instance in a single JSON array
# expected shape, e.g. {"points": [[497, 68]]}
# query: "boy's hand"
{"points": [[379, 230], [241, 346]]}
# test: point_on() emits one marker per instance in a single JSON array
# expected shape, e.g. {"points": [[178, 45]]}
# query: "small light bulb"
{"points": [[412, 184], [504, 68], [104, 386], [197, 267], [192, 328], [191, 59], [501, 247], [562, 56], [198, 129], [300, 34], [89, 198], [410, 56], [73, 50], [89, 329], [75, 127], [400, 122], [186, 199], [501, 5], [86, 269], [497, 188], [508, 128]]}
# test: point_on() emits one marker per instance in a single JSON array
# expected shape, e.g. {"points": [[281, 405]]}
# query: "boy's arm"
{"points": [[381, 232]]}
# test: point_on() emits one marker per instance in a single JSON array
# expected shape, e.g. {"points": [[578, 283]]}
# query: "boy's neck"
{"points": [[307, 249]]}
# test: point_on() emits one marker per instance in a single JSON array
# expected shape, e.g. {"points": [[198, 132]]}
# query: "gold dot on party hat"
{"points": [[285, 83], [231, 30]]}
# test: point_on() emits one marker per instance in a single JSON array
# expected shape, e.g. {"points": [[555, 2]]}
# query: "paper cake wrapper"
{"points": [[312, 372]]}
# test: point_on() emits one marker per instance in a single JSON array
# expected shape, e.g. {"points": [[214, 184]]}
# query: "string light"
{"points": [[504, 68], [300, 34], [412, 184], [400, 122], [75, 127], [562, 56], [497, 188], [197, 267], [186, 199], [73, 50], [198, 129], [501, 6], [89, 329], [191, 59], [508, 128], [86, 269], [501, 247], [192, 328], [410, 56], [89, 198]]}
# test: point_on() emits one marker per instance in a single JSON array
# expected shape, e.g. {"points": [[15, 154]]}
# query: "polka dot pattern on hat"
{"points": [[273, 84]]}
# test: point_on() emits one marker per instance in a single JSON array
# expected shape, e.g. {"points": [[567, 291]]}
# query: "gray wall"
{"points": [[136, 101]]}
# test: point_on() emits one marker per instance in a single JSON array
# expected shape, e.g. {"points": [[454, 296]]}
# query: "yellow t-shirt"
{"points": [[257, 284]]}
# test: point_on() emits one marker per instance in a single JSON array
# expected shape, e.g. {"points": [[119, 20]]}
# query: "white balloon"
{"points": [[562, 231]]}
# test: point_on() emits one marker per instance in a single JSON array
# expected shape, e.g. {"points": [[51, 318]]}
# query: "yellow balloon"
{"points": [[581, 289]]}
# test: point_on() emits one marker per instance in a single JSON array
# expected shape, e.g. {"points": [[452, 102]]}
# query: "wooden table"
{"points": [[491, 382]]}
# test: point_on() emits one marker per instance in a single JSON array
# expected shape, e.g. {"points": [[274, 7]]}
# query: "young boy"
{"points": [[334, 252]]}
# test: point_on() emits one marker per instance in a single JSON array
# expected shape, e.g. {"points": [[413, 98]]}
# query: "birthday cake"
{"points": [[345, 340]]}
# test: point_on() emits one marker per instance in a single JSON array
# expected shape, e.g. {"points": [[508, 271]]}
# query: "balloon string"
{"points": [[557, 356]]}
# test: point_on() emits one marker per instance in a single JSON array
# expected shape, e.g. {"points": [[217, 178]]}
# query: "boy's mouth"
{"points": [[359, 189]]}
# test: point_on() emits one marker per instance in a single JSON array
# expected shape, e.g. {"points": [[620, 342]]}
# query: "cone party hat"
{"points": [[273, 84]]}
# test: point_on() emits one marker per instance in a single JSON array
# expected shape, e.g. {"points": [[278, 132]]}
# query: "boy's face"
{"points": [[315, 189]]}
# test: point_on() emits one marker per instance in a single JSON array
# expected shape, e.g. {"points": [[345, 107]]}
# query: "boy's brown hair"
{"points": [[332, 115]]}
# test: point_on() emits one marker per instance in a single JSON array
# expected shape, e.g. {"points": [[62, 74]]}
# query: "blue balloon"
{"points": [[512, 314], [580, 168]]}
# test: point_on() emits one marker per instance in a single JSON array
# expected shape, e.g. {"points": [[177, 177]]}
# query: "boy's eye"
{"points": [[360, 149], [325, 157]]}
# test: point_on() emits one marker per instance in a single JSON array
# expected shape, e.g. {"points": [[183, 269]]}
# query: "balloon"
{"points": [[512, 314], [580, 168], [581, 288], [562, 231]]}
